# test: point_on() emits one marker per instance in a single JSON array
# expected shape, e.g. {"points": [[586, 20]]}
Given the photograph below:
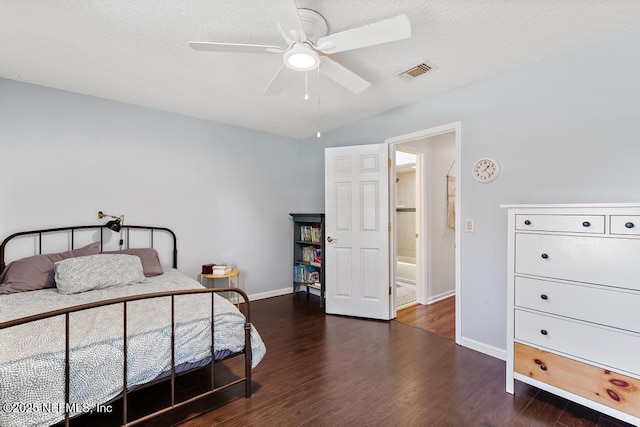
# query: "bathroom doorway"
{"points": [[407, 200]]}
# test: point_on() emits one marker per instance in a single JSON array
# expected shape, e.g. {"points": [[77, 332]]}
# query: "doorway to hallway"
{"points": [[426, 231]]}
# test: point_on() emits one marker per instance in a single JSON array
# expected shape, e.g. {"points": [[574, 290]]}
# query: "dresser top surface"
{"points": [[571, 205]]}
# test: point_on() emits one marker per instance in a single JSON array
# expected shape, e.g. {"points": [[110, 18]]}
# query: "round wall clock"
{"points": [[485, 170]]}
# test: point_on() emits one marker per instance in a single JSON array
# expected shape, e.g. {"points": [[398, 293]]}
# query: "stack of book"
{"points": [[309, 233], [222, 268], [312, 255], [306, 274]]}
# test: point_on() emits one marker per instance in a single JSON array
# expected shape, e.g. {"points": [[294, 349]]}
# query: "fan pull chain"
{"points": [[318, 135], [306, 86]]}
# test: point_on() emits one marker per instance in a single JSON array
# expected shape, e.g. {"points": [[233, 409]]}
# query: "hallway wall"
{"points": [[440, 238]]}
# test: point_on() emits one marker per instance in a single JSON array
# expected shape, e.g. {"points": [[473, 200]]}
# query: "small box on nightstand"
{"points": [[207, 268]]}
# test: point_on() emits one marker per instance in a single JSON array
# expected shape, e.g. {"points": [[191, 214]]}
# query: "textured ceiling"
{"points": [[137, 52]]}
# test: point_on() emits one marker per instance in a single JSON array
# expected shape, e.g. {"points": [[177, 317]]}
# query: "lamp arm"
{"points": [[115, 224], [103, 215]]}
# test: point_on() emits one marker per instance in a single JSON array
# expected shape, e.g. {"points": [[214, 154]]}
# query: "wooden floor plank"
{"points": [[346, 371], [439, 317], [323, 370]]}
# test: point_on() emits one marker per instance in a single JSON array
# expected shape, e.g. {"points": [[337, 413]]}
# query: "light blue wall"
{"points": [[226, 191], [564, 130]]}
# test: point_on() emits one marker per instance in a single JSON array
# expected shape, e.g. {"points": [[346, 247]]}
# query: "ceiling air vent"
{"points": [[416, 71]]}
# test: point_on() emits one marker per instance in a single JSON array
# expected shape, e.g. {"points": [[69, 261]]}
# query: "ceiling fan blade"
{"points": [[342, 76], [289, 21], [235, 47], [385, 31], [283, 78]]}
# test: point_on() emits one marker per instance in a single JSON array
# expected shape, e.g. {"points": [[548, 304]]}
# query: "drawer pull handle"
{"points": [[586, 224], [629, 225], [544, 256], [543, 332], [544, 296], [543, 367], [527, 222]]}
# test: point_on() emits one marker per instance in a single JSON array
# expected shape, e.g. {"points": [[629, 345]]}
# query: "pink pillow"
{"points": [[150, 261], [36, 272]]}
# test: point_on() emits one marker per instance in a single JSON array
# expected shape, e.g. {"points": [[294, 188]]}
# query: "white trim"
{"points": [[270, 294], [573, 205], [422, 252], [437, 298], [391, 214], [489, 350], [426, 133], [511, 241]]}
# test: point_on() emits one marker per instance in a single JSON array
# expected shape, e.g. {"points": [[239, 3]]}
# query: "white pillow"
{"points": [[85, 273]]}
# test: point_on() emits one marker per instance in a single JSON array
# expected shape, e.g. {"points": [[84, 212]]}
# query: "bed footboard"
{"points": [[123, 302]]}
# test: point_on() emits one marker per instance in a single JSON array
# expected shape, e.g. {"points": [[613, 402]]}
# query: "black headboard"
{"points": [[102, 228]]}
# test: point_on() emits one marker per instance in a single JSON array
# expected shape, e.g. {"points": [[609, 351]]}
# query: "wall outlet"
{"points": [[468, 225]]}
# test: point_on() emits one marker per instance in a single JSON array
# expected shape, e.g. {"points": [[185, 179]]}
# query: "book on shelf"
{"points": [[312, 255], [310, 234], [306, 274]]}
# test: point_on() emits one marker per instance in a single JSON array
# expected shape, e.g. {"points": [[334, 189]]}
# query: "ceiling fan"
{"points": [[306, 33]]}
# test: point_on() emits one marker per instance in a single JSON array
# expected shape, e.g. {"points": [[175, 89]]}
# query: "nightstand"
{"points": [[212, 277]]}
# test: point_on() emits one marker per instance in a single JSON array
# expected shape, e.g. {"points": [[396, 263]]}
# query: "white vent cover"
{"points": [[416, 71]]}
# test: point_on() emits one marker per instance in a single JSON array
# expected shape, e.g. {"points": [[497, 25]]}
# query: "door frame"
{"points": [[392, 142]]}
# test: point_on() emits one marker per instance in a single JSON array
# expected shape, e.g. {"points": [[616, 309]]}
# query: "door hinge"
{"points": [[389, 227], [389, 290], [417, 236], [389, 162]]}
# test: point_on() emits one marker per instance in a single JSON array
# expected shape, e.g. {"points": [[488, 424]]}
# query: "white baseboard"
{"points": [[440, 297], [270, 294], [489, 350]]}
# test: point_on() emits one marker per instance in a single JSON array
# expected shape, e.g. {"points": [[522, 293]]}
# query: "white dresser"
{"points": [[573, 313]]}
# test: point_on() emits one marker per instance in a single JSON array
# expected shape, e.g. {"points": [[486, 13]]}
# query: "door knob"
{"points": [[330, 239]]}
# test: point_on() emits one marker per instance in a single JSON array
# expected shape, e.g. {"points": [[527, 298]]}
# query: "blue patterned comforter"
{"points": [[32, 356]]}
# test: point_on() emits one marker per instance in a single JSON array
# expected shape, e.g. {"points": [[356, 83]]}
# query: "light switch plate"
{"points": [[468, 225]]}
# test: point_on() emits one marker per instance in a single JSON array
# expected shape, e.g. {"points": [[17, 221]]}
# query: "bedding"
{"points": [[149, 257], [32, 355], [87, 273], [36, 272]]}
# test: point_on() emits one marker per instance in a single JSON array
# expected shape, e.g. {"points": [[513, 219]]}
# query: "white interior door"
{"points": [[357, 231]]}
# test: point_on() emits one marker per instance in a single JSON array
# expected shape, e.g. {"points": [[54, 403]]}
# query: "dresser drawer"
{"points": [[562, 223], [625, 224], [610, 307], [599, 260], [614, 348], [605, 387]]}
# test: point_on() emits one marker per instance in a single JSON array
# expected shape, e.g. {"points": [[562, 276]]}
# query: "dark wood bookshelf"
{"points": [[313, 222]]}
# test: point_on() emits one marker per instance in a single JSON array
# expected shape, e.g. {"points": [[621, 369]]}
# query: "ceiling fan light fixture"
{"points": [[300, 58]]}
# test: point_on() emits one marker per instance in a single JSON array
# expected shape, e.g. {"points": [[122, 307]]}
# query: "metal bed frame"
{"points": [[67, 311]]}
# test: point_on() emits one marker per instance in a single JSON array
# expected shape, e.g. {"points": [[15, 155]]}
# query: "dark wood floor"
{"points": [[438, 318], [332, 370], [323, 370]]}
